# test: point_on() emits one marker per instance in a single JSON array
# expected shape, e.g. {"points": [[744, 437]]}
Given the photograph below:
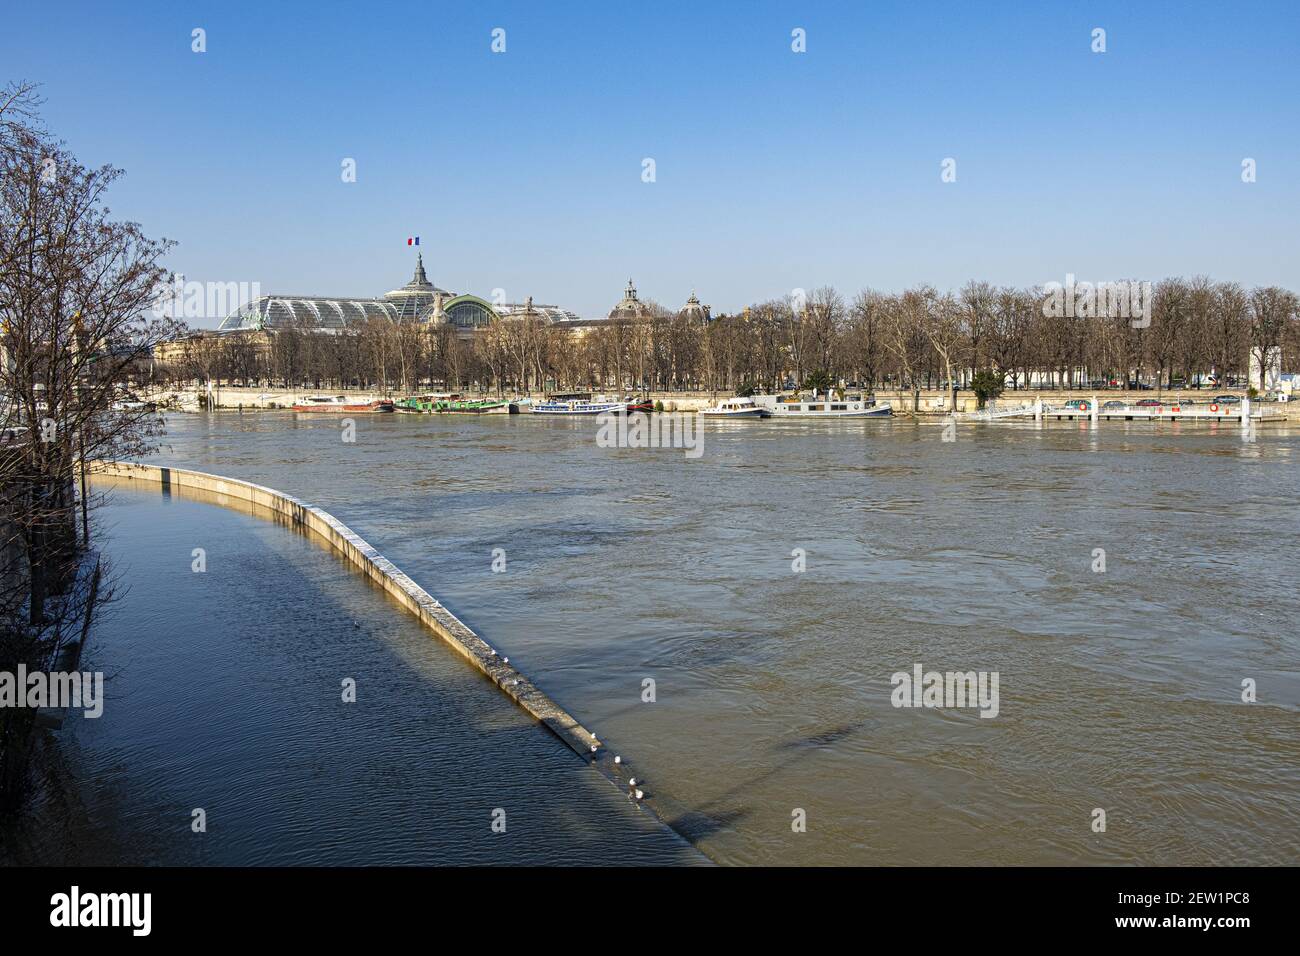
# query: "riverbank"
{"points": [[929, 404]]}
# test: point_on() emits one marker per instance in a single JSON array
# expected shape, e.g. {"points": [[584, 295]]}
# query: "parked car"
{"points": [[1080, 403], [1149, 403], [1113, 405], [1228, 399]]}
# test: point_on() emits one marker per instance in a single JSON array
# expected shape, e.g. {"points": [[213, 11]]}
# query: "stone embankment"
{"points": [[328, 530]]}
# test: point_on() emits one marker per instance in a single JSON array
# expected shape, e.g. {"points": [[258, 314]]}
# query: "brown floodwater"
{"points": [[1119, 690]]}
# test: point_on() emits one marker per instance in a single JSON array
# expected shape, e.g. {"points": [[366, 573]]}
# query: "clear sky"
{"points": [[774, 170]]}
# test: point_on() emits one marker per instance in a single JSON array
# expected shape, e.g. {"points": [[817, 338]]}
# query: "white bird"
{"points": [[505, 660], [594, 748], [639, 794], [632, 782], [617, 759]]}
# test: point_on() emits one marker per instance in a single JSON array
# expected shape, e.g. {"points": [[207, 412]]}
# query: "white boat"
{"points": [[827, 406], [738, 407], [577, 403], [339, 403]]}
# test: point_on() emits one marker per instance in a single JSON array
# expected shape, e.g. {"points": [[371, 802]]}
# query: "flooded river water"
{"points": [[763, 594]]}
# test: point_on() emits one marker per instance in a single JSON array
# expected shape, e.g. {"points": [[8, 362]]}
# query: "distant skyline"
{"points": [[774, 169]]}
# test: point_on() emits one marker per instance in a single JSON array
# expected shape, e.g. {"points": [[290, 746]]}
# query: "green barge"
{"points": [[445, 403]]}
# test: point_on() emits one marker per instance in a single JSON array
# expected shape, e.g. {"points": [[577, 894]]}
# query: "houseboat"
{"points": [[339, 403], [578, 403], [451, 403], [486, 406], [738, 407], [418, 404], [635, 404], [823, 406]]}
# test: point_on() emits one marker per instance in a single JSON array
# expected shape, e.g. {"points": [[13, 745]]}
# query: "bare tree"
{"points": [[977, 299], [905, 319], [77, 297], [1170, 316], [942, 323], [1012, 319], [864, 340], [1272, 310]]}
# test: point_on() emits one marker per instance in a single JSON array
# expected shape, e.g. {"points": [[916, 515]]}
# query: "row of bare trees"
{"points": [[919, 338], [922, 338], [75, 286]]}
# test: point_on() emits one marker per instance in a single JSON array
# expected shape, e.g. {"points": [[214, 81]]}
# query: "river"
{"points": [[769, 589]]}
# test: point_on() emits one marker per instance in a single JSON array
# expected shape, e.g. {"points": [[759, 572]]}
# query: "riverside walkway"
{"points": [[321, 525]]}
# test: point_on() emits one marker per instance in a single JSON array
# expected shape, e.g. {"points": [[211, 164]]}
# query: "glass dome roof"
{"points": [[280, 312]]}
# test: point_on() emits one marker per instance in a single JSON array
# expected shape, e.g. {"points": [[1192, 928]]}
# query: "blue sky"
{"points": [[774, 169]]}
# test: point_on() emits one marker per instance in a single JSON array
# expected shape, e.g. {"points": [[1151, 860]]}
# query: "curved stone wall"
{"points": [[323, 525], [329, 530]]}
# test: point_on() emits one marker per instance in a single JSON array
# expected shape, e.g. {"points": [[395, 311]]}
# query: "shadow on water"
{"points": [[720, 813]]}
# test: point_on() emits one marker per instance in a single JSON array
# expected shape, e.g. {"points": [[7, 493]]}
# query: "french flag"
{"points": [[412, 240]]}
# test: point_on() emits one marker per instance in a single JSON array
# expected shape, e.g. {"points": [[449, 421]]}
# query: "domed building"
{"points": [[417, 295], [423, 301], [693, 311], [630, 307], [419, 301]]}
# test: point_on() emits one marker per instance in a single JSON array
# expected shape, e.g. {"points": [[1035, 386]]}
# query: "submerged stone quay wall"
{"points": [[322, 525]]}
